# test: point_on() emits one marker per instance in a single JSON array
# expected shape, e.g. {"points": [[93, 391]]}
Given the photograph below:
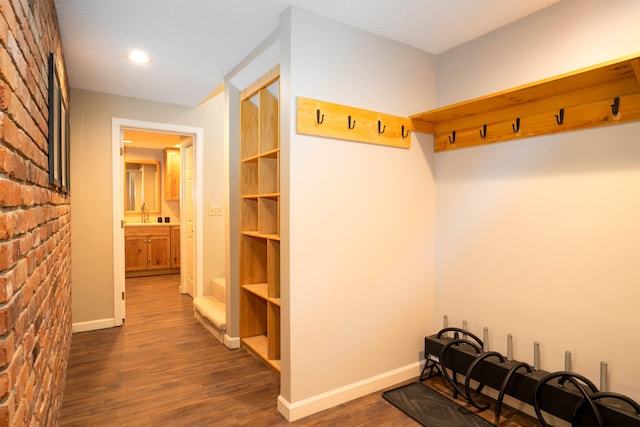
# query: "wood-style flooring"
{"points": [[162, 368]]}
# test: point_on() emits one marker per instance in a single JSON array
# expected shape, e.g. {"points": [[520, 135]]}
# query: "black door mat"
{"points": [[431, 409]]}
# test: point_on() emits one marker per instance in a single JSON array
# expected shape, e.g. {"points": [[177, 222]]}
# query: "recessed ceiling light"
{"points": [[128, 141], [139, 57]]}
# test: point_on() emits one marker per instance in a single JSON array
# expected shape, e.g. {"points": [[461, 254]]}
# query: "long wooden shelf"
{"points": [[578, 100]]}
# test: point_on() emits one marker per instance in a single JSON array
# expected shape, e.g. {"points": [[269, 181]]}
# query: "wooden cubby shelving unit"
{"points": [[581, 99], [260, 219]]}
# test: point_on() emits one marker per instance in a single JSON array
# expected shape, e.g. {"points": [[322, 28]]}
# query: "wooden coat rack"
{"points": [[330, 120], [600, 95]]}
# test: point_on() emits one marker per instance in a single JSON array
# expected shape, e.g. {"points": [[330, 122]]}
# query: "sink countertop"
{"points": [[149, 224]]}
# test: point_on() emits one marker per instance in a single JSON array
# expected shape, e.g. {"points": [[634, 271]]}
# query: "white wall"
{"points": [[540, 237], [214, 188], [91, 181], [357, 220]]}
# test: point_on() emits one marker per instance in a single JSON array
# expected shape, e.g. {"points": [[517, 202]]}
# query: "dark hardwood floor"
{"points": [[162, 368]]}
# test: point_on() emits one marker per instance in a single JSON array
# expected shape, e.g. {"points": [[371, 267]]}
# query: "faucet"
{"points": [[145, 212]]}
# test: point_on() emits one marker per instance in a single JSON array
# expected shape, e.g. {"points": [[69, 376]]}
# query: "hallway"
{"points": [[162, 368]]}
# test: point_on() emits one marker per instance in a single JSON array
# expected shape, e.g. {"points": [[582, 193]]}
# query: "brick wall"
{"points": [[35, 239]]}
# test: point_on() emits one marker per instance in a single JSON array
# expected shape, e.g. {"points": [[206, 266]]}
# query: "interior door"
{"points": [[119, 263], [190, 261]]}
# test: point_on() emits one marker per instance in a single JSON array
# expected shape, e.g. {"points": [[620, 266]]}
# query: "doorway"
{"points": [[190, 212]]}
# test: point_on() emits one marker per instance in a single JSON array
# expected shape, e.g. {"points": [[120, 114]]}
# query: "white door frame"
{"points": [[118, 124]]}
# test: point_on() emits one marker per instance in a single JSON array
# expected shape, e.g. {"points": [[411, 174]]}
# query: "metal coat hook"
{"points": [[615, 107], [516, 126], [560, 116], [452, 137], [381, 131], [403, 134], [483, 131], [354, 123], [319, 119]]}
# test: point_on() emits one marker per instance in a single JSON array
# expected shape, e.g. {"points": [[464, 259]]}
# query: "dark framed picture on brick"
{"points": [[64, 148], [58, 140]]}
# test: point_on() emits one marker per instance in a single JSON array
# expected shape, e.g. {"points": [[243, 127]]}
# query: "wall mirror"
{"points": [[141, 184]]}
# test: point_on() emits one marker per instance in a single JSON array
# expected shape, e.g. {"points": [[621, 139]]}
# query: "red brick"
{"points": [[7, 225], [9, 314], [8, 253], [31, 261], [4, 30], [7, 69], [21, 273], [20, 327], [22, 224], [40, 212], [7, 281], [27, 195], [29, 398], [19, 8], [5, 414], [6, 157], [9, 193], [7, 11], [27, 344], [19, 168], [32, 214], [9, 132], [19, 416], [4, 390], [42, 179], [42, 142], [5, 96], [44, 232], [27, 294], [6, 353], [25, 243]]}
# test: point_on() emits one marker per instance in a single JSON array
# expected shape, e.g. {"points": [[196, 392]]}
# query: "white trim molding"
{"points": [[93, 325], [231, 342], [118, 232], [303, 408]]}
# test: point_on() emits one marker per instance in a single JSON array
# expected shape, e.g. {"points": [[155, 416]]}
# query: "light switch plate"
{"points": [[215, 210]]}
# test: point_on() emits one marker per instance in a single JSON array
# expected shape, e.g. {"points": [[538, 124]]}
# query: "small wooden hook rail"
{"points": [[330, 120]]}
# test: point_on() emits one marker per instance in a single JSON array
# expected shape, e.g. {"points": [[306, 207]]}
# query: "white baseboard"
{"points": [[297, 410], [93, 325], [231, 342]]}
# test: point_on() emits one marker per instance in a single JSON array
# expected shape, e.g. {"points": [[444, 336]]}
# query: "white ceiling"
{"points": [[196, 43]]}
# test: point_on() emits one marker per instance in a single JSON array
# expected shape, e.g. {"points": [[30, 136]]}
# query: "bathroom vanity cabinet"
{"points": [[149, 250], [171, 174], [175, 246]]}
